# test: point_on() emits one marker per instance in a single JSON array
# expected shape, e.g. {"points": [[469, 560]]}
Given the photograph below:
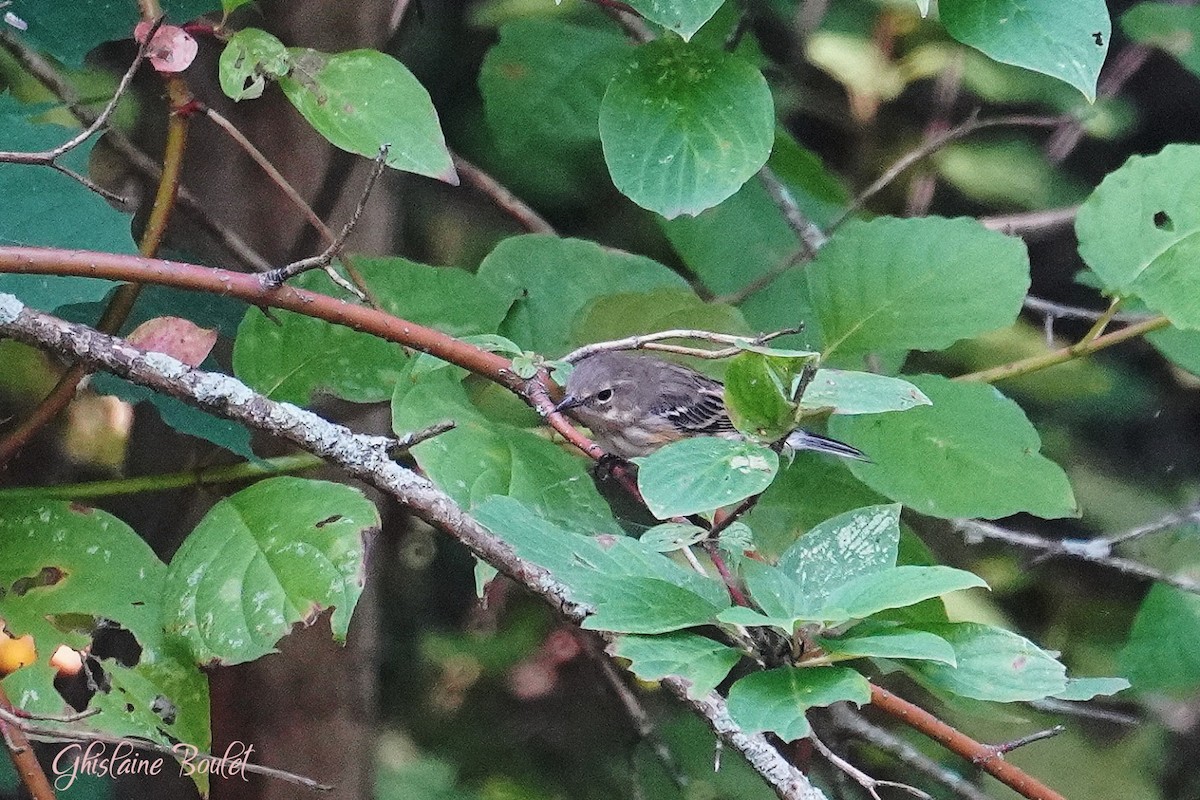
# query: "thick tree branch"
{"points": [[364, 457]]}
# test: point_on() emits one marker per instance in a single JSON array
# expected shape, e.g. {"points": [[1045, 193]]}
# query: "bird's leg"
{"points": [[607, 465]]}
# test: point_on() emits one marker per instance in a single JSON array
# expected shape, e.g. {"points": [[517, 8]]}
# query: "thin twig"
{"points": [[48, 734], [999, 750], [1094, 551], [651, 341], [1053, 310], [946, 89], [1120, 69], [930, 146], [277, 277], [50, 157], [631, 704], [796, 259], [46, 74], [504, 199], [812, 238], [1027, 223], [864, 780], [400, 446], [857, 725]]}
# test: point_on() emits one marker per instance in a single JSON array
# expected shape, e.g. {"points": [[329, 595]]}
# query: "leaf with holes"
{"points": [[272, 555], [1140, 232]]}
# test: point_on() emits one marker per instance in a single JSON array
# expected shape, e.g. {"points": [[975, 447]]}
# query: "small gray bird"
{"points": [[636, 404]]}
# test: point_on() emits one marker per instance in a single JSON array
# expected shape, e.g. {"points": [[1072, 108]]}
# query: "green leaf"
{"points": [[229, 6], [994, 664], [1140, 232], [1065, 41], [893, 642], [1171, 28], [1084, 689], [702, 474], [251, 58], [760, 392], [971, 454], [543, 81], [481, 457], [272, 555], [776, 700], [671, 536], [36, 202], [848, 392], [1161, 653], [684, 127], [290, 357], [77, 562], [648, 605], [1181, 347], [685, 17], [898, 587], [69, 31], [914, 284], [702, 661], [555, 279], [806, 492], [363, 99], [859, 543]]}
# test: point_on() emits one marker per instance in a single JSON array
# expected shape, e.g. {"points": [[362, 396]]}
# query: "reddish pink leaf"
{"points": [[176, 337], [171, 50]]}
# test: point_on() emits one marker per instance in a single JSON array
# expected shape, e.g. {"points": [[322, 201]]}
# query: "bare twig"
{"points": [[1053, 310], [999, 750], [401, 446], [51, 734], [49, 158], [932, 145], [871, 785], [1095, 551], [945, 91], [1029, 223], [41, 69], [24, 760], [502, 197], [857, 725], [277, 277], [652, 341], [811, 237], [1120, 69]]}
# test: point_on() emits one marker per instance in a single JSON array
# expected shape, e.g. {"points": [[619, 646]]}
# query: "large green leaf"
{"points": [[1168, 27], [363, 99], [272, 555], [863, 542], [543, 81], [554, 279], [290, 357], [70, 30], [914, 284], [615, 316], [1065, 40], [897, 587], [760, 392], [972, 453], [649, 605], [776, 700], [73, 564], [702, 474], [1161, 653], [37, 203], [683, 127], [701, 661], [1140, 232], [993, 664], [849, 392], [889, 642]]}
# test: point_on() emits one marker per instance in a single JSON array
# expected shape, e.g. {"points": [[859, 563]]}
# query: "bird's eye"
{"points": [[604, 395]]}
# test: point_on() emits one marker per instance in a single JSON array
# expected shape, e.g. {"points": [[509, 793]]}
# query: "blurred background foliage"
{"points": [[452, 700]]}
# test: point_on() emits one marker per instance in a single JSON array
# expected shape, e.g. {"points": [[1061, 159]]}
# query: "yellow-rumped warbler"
{"points": [[636, 404]]}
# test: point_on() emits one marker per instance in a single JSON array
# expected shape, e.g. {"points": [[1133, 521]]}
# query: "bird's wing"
{"points": [[697, 408]]}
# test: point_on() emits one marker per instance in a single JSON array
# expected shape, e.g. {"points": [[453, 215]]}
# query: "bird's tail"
{"points": [[803, 440]]}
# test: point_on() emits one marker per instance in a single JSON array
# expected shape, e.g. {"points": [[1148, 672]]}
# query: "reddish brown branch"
{"points": [[960, 744]]}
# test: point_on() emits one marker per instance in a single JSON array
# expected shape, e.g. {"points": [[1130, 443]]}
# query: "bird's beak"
{"points": [[568, 402]]}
